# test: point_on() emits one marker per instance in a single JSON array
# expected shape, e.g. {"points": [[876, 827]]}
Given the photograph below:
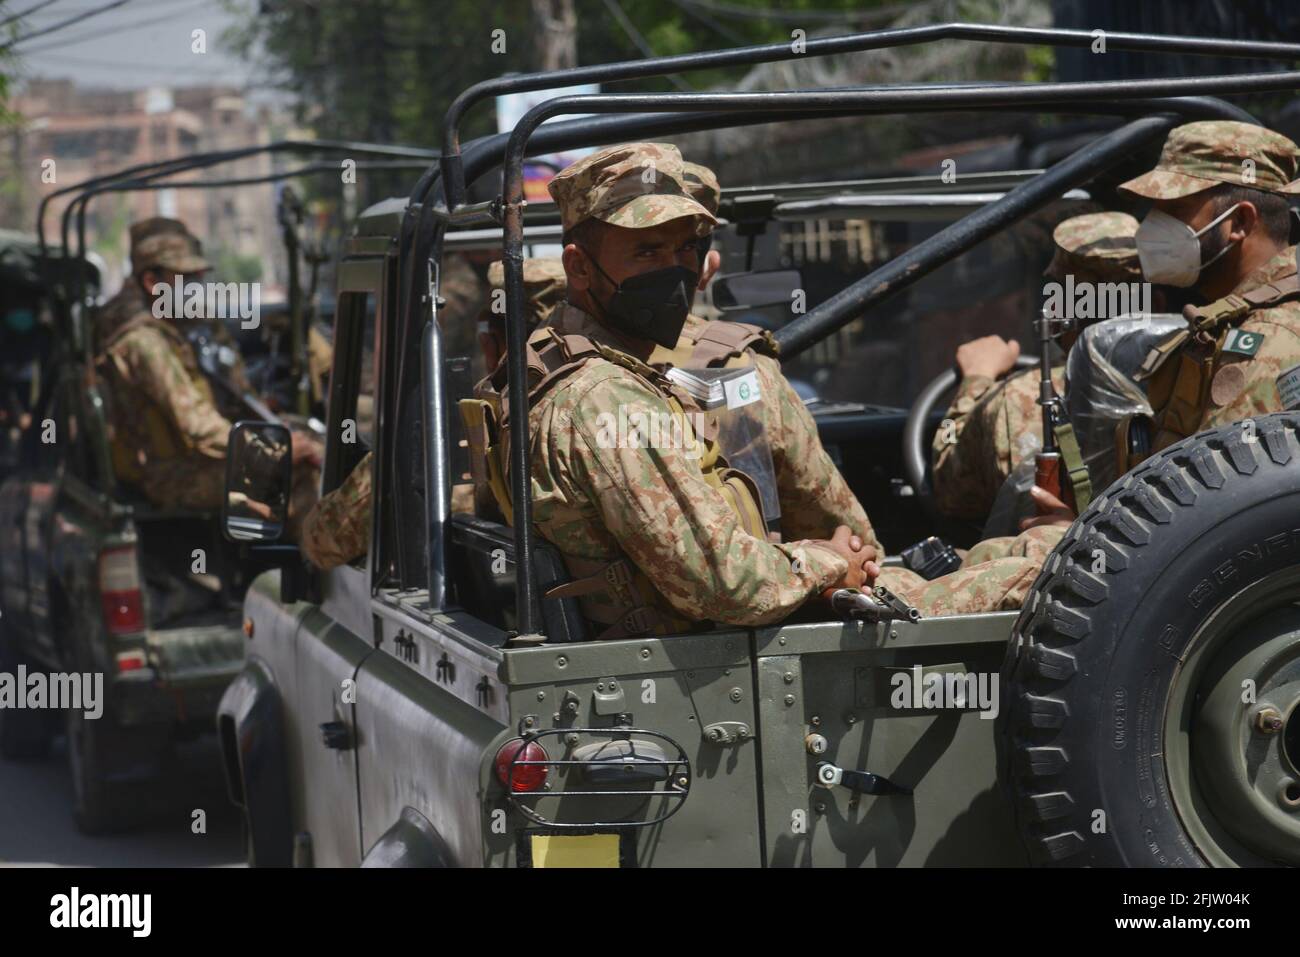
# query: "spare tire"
{"points": [[1152, 711]]}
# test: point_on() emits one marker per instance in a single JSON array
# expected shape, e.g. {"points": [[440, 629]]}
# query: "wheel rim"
{"points": [[1232, 728]]}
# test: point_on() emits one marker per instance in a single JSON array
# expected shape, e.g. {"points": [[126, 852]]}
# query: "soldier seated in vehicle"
{"points": [[1220, 222], [659, 536], [168, 434], [993, 424]]}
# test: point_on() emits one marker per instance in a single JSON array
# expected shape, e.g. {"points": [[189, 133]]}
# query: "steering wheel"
{"points": [[916, 453]]}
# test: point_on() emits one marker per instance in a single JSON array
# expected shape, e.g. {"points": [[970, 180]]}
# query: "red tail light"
{"points": [[131, 661], [521, 777], [119, 590]]}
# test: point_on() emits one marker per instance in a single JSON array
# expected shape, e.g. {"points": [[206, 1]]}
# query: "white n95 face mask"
{"points": [[1170, 250]]}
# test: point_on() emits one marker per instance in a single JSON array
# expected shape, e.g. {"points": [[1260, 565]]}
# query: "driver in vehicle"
{"points": [[658, 533], [994, 423]]}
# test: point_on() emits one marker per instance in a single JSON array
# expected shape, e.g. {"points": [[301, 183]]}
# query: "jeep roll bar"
{"points": [[1074, 170], [454, 179]]}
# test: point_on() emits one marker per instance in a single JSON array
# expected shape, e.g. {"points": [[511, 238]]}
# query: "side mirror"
{"points": [[753, 290], [259, 477]]}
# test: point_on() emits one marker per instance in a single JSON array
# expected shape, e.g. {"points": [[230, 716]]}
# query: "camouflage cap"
{"points": [[1199, 155], [1096, 247], [545, 285], [162, 243], [636, 185], [702, 185]]}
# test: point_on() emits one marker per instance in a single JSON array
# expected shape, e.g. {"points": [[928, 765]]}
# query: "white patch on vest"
{"points": [[1288, 387], [742, 390]]}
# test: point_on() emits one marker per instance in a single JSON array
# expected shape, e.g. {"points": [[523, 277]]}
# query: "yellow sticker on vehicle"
{"points": [[575, 850]]}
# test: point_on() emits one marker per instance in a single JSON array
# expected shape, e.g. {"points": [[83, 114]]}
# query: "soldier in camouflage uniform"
{"points": [[992, 426], [337, 530], [628, 220], [1220, 222], [155, 248], [168, 435]]}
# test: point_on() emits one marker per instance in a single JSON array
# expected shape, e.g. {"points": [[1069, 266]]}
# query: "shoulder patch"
{"points": [[1243, 343]]}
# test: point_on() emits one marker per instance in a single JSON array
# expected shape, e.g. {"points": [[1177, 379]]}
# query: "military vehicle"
{"points": [[427, 706], [93, 578]]}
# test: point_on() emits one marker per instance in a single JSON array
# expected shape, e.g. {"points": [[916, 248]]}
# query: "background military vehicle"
{"points": [[93, 578], [424, 706]]}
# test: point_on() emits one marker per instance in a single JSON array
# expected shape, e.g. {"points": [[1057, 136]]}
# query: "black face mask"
{"points": [[651, 305]]}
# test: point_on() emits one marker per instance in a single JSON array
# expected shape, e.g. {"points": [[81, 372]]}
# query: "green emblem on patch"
{"points": [[1243, 343]]}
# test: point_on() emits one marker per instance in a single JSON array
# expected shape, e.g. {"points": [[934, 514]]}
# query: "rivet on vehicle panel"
{"points": [[789, 700], [528, 722], [736, 694], [726, 646], [613, 686], [742, 733], [645, 652], [816, 721], [850, 717], [556, 717], [781, 640], [1268, 720], [570, 739], [893, 634], [248, 628], [788, 677], [541, 696], [600, 686], [819, 808], [681, 782], [690, 674], [561, 661]]}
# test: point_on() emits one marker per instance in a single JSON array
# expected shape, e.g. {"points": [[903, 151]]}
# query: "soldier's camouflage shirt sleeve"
{"points": [[158, 372], [337, 529], [959, 453], [671, 523], [813, 494], [1258, 393]]}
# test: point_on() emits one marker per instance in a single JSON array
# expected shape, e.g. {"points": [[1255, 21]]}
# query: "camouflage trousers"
{"points": [[200, 484], [998, 579]]}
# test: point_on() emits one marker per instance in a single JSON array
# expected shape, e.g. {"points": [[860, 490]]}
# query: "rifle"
{"points": [[1049, 468]]}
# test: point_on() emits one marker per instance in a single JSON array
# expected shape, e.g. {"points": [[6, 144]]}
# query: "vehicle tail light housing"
{"points": [[119, 590], [515, 767]]}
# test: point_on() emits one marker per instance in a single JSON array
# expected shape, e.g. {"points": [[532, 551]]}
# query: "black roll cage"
{"points": [[1172, 100]]}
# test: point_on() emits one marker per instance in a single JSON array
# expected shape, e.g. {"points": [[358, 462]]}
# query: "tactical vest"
{"points": [[629, 602], [716, 343], [1180, 370], [152, 434]]}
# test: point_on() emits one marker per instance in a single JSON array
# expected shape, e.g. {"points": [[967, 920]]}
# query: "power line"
{"points": [[79, 18], [639, 41], [119, 28], [26, 13]]}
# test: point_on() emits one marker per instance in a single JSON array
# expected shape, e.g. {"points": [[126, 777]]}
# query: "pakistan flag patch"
{"points": [[1243, 343]]}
